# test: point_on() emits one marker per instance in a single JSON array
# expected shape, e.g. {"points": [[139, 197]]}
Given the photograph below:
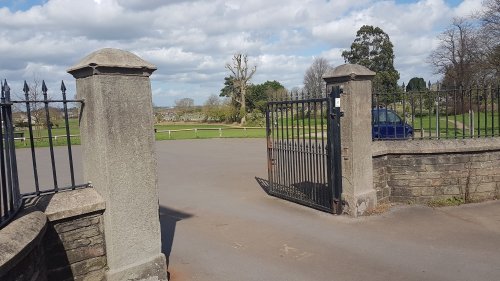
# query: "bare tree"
{"points": [[314, 84], [212, 110], [457, 55], [490, 17], [33, 93], [184, 105], [489, 38], [241, 75]]}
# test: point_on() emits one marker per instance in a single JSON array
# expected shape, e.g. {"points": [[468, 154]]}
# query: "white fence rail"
{"points": [[170, 132], [220, 130]]}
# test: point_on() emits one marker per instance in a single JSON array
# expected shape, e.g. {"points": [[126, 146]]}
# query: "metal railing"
{"points": [[43, 107], [459, 113], [10, 197]]}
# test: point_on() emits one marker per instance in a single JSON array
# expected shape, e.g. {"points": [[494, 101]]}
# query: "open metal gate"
{"points": [[303, 150]]}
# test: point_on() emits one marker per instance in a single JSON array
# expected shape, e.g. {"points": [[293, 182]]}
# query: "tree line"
{"points": [[468, 51]]}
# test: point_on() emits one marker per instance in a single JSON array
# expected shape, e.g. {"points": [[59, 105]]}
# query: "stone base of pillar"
{"points": [[360, 203], [151, 270]]}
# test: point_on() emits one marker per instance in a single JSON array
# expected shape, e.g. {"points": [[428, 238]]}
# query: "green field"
{"points": [[425, 126], [164, 132], [457, 125], [40, 134]]}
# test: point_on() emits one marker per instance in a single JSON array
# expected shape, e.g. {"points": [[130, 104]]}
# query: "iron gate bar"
{"points": [[52, 191], [298, 160], [492, 112], [498, 108], [11, 201], [462, 98], [32, 142], [478, 114], [68, 138], [49, 132], [335, 155]]}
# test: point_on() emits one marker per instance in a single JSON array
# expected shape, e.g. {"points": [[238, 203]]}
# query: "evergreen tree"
{"points": [[373, 49], [258, 95], [416, 84]]}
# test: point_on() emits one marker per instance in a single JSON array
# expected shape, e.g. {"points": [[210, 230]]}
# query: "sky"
{"points": [[191, 41]]}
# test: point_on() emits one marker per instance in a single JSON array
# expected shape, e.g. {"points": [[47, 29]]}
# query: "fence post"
{"points": [[118, 158], [356, 139]]}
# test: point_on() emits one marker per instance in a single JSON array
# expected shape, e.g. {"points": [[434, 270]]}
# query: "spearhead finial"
{"points": [[63, 87], [26, 89], [6, 91], [44, 87], [6, 87]]}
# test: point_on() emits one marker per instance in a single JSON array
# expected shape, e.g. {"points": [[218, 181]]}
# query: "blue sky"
{"points": [[190, 41]]}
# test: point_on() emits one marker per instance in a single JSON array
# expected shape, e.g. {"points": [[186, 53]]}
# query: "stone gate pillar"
{"points": [[355, 102], [117, 138]]}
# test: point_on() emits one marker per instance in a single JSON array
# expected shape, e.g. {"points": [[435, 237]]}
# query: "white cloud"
{"points": [[468, 7], [191, 41]]}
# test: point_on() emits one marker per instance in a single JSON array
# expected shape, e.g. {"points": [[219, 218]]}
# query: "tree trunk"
{"points": [[243, 106]]}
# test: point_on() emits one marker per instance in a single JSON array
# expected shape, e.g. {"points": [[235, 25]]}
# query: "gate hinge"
{"points": [[338, 206]]}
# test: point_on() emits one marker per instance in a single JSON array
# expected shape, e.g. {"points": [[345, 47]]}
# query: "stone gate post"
{"points": [[356, 139], [118, 158]]}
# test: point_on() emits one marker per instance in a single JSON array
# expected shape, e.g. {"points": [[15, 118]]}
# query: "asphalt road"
{"points": [[218, 224]]}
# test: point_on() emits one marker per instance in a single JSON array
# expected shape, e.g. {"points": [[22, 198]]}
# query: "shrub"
{"points": [[256, 119]]}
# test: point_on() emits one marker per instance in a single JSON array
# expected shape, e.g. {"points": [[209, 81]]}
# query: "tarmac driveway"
{"points": [[218, 224]]}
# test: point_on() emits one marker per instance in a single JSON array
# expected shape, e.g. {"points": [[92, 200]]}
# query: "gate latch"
{"points": [[334, 114]]}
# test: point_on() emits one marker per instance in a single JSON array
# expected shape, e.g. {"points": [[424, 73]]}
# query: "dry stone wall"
{"points": [[60, 237], [75, 248], [468, 169]]}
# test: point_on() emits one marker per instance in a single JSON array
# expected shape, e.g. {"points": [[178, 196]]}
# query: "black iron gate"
{"points": [[303, 150]]}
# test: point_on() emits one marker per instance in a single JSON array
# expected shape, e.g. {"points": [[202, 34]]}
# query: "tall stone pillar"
{"points": [[356, 139], [117, 138]]}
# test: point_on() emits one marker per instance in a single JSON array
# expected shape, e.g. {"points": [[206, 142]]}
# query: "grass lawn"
{"points": [[40, 134], [489, 124], [457, 125], [171, 131]]}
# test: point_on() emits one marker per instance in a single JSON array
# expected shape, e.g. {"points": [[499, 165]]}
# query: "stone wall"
{"points": [[423, 171], [57, 237], [74, 248], [30, 268], [380, 178], [21, 253]]}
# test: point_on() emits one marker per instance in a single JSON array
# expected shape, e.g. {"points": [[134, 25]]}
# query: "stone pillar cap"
{"points": [[351, 71], [110, 58]]}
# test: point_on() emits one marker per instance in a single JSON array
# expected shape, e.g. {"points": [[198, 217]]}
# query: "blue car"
{"points": [[386, 124]]}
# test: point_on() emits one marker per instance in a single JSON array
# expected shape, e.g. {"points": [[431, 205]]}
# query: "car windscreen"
{"points": [[385, 116]]}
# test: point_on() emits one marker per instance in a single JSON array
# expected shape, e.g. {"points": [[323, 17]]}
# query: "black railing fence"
{"points": [[33, 119], [11, 200], [437, 114]]}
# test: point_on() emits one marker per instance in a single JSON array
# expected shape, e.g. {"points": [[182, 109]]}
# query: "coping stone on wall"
{"points": [[19, 237], [67, 204], [111, 61], [380, 148], [346, 72]]}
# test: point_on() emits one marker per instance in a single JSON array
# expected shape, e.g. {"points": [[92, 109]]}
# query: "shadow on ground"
{"points": [[264, 184], [168, 219]]}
